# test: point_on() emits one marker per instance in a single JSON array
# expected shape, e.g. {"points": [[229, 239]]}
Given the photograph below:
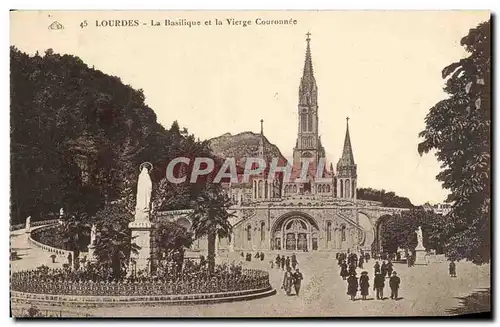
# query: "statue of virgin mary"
{"points": [[143, 198]]}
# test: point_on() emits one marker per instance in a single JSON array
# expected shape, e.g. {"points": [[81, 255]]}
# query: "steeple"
{"points": [[308, 89], [308, 145], [261, 140], [347, 155], [347, 175]]}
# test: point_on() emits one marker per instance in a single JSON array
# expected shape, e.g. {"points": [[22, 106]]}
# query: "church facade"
{"points": [[307, 212], [314, 209]]}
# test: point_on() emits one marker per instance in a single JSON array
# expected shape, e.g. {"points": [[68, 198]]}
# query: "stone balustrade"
{"points": [[45, 247]]}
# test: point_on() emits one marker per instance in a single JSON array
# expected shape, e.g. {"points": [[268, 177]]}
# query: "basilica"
{"points": [[314, 209]]}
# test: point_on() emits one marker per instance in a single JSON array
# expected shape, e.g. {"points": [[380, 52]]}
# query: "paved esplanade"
{"points": [[425, 290]]}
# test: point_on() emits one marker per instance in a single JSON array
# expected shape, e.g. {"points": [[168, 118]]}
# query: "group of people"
{"points": [[285, 262], [257, 256], [292, 279], [348, 262]]}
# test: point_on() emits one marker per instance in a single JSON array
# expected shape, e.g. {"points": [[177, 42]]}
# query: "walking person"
{"points": [[452, 269], [352, 286], [378, 286], [383, 269], [278, 261], [287, 262], [376, 267], [287, 281], [297, 280], [361, 261], [394, 282], [343, 270], [352, 269], [283, 262], [389, 268], [294, 261], [364, 284]]}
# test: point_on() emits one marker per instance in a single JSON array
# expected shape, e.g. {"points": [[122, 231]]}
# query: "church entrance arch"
{"points": [[368, 231], [377, 244], [295, 231]]}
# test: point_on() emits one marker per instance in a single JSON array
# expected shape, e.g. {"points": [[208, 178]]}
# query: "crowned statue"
{"points": [[144, 189]]}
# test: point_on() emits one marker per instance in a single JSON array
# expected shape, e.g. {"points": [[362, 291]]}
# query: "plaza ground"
{"points": [[425, 290]]}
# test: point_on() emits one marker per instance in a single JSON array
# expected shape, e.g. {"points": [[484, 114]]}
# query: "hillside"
{"points": [[242, 145], [77, 135]]}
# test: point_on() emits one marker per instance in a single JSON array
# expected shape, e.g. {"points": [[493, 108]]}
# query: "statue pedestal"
{"points": [[420, 255], [91, 257], [141, 235]]}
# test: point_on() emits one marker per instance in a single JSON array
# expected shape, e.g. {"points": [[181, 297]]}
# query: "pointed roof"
{"points": [[347, 158], [308, 86]]}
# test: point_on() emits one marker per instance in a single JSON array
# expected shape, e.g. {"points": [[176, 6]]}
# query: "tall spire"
{"points": [[308, 89], [347, 155], [261, 140]]}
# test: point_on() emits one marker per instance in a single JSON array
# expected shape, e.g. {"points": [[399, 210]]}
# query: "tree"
{"points": [[114, 242], [210, 217], [75, 233], [459, 130], [171, 240], [388, 199]]}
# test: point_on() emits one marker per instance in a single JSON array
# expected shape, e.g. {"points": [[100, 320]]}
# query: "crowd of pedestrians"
{"points": [[349, 262]]}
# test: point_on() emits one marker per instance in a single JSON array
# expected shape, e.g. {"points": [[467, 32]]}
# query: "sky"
{"points": [[382, 69]]}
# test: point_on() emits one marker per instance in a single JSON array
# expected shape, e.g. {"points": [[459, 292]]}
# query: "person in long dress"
{"points": [[376, 267], [287, 281], [352, 286], [343, 270], [378, 286], [364, 284], [297, 280]]}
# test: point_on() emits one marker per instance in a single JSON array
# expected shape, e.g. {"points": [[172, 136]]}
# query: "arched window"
{"points": [[353, 188], [259, 190], [328, 188], [304, 122], [249, 233], [341, 189], [347, 189], [295, 189], [309, 124], [329, 231], [255, 189], [262, 231], [342, 233]]}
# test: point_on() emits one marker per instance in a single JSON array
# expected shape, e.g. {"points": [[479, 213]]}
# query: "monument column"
{"points": [[141, 227]]}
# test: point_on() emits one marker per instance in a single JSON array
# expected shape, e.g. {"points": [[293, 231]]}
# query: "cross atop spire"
{"points": [[308, 89]]}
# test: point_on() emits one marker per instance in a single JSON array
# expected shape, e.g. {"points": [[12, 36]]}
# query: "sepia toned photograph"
{"points": [[250, 164]]}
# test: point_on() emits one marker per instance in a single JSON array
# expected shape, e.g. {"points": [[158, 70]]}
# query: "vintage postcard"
{"points": [[250, 163]]}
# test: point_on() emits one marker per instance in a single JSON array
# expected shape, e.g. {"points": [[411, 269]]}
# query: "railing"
{"points": [[46, 247], [34, 224], [250, 279]]}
